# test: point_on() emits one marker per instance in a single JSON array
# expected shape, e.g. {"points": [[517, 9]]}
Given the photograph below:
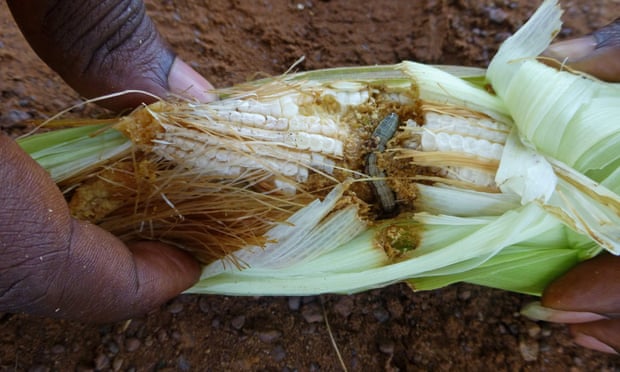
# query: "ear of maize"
{"points": [[347, 179]]}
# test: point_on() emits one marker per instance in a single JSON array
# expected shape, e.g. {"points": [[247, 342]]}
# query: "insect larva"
{"points": [[383, 133], [382, 191]]}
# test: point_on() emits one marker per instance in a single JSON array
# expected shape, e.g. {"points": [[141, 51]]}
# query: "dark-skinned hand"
{"points": [[53, 265], [589, 294]]}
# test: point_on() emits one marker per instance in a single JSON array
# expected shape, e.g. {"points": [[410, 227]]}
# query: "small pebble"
{"points": [[112, 347], [502, 329], [183, 364], [238, 322], [533, 330], [345, 306], [278, 353], [102, 362], [497, 15], [15, 116], [215, 323], [58, 349], [117, 364], [312, 313], [529, 350], [162, 336], [465, 295], [175, 308], [132, 344], [381, 314], [386, 346], [294, 303], [203, 304], [269, 336]]}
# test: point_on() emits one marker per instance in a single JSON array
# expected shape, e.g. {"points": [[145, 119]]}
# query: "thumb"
{"points": [[103, 281], [54, 265]]}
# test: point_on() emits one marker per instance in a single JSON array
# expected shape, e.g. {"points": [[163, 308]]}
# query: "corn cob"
{"points": [[275, 150]]}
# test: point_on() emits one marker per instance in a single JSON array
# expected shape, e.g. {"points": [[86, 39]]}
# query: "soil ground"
{"points": [[463, 327]]}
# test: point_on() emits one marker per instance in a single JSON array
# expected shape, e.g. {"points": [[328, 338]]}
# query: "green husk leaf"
{"points": [[70, 151]]}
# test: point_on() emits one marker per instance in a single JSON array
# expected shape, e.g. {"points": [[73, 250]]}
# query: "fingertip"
{"points": [[593, 343], [536, 311], [185, 81], [602, 335], [571, 50], [163, 271]]}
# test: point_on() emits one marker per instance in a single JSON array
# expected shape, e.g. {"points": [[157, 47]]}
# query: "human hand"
{"points": [[588, 296], [103, 47], [53, 265]]}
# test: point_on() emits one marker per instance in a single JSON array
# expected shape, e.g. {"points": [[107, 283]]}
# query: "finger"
{"points": [[597, 54], [591, 286], [601, 335], [103, 47]]}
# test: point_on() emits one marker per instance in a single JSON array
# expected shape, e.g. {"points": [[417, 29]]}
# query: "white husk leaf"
{"points": [[448, 200], [527, 43], [525, 172], [440, 86]]}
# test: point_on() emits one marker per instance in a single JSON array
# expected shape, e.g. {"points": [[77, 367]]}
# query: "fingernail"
{"points": [[593, 343], [571, 49], [185, 81], [536, 311]]}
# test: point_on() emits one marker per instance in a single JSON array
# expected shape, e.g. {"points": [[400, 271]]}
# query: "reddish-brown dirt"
{"points": [[463, 327]]}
